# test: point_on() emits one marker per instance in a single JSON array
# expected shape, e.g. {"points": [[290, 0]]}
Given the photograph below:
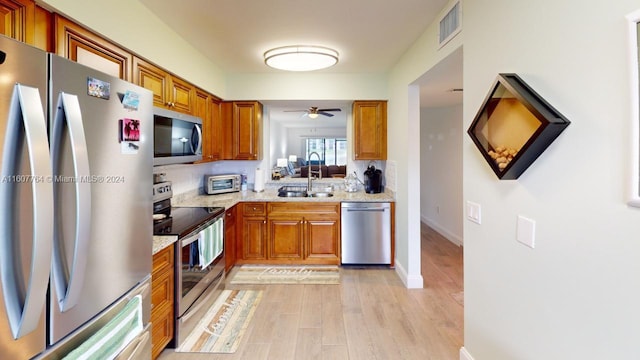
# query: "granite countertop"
{"points": [[229, 200], [196, 199]]}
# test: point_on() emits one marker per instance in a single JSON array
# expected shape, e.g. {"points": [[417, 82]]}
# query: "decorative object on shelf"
{"points": [[301, 57], [514, 126]]}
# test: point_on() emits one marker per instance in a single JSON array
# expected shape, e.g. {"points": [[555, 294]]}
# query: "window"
{"points": [[331, 151]]}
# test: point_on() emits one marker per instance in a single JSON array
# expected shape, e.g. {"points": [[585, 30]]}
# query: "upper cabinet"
{"points": [[81, 45], [24, 21], [208, 109], [169, 92], [242, 122], [370, 130]]}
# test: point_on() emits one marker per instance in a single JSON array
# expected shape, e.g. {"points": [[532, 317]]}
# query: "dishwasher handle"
{"points": [[367, 209]]}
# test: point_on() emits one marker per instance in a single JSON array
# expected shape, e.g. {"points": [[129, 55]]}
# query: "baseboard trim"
{"points": [[442, 231], [410, 282], [464, 354]]}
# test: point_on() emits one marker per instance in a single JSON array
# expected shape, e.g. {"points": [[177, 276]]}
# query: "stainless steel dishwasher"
{"points": [[366, 233]]}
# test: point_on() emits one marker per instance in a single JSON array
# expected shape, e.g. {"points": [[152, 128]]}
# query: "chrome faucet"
{"points": [[310, 174]]}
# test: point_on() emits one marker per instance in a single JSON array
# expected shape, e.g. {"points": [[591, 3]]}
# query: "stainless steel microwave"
{"points": [[220, 184], [177, 137]]}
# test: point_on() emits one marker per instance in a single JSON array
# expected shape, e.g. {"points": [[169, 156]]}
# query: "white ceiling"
{"points": [[370, 35]]}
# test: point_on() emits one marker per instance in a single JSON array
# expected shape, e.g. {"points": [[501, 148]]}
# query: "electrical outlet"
{"points": [[474, 212]]}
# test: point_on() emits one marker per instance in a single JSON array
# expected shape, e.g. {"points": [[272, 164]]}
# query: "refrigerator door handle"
{"points": [[69, 288], [197, 148], [25, 300]]}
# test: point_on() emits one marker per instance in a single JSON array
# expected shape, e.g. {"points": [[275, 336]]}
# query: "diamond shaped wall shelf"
{"points": [[514, 126]]}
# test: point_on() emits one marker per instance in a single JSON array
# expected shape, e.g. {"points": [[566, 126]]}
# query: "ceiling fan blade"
{"points": [[336, 109], [294, 110], [325, 113]]}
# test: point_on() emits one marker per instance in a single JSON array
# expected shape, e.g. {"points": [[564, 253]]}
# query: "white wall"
{"points": [[404, 145], [441, 170], [575, 296]]}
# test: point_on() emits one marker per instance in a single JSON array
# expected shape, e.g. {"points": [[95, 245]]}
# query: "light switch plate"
{"points": [[474, 212], [526, 231]]}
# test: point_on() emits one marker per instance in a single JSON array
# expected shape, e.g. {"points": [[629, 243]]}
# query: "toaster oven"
{"points": [[220, 184]]}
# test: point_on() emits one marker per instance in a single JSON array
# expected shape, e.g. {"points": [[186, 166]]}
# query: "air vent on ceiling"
{"points": [[450, 24]]}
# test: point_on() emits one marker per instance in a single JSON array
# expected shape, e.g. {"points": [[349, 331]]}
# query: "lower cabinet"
{"points": [[290, 233], [162, 317], [252, 244]]}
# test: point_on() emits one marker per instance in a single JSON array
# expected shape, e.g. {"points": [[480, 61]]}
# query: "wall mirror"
{"points": [[634, 61]]}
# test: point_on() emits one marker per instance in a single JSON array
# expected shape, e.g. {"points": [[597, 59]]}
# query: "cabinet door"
{"points": [[162, 286], [254, 242], [216, 136], [230, 238], [18, 20], [370, 130], [80, 45], [247, 118], [182, 96], [285, 239], [151, 78], [202, 110], [322, 241]]}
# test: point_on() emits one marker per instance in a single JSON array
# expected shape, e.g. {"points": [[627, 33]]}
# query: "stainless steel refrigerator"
{"points": [[75, 206]]}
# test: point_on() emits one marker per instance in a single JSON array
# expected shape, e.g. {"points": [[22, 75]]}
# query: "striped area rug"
{"points": [[222, 328], [287, 274]]}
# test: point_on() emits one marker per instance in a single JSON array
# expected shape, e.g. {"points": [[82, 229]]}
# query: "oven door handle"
{"points": [[195, 235], [188, 240]]}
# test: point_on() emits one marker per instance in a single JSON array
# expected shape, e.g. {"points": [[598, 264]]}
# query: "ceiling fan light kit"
{"points": [[313, 112], [301, 58]]}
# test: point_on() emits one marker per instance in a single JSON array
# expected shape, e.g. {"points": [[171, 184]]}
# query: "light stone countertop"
{"points": [[160, 242], [196, 199]]}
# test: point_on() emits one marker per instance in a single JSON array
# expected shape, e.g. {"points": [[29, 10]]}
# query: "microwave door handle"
{"points": [[26, 122], [197, 147], [69, 287]]}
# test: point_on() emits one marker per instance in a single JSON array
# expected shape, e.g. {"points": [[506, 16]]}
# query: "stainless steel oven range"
{"points": [[199, 273]]}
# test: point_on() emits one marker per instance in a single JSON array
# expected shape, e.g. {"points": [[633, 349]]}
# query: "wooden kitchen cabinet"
{"points": [[208, 109], [285, 241], [253, 233], [162, 317], [202, 109], [169, 92], [242, 122], [25, 21], [76, 43], [230, 238], [300, 233], [370, 130]]}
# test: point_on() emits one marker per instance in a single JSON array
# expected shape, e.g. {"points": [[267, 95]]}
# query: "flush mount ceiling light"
{"points": [[301, 58]]}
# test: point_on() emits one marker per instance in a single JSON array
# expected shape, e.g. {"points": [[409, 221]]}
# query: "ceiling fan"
{"points": [[313, 112]]}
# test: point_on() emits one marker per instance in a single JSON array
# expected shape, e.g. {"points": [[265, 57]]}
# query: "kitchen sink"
{"points": [[301, 191], [292, 191], [320, 194]]}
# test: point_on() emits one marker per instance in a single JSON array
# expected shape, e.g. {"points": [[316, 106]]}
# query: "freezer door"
{"points": [[103, 203], [26, 200]]}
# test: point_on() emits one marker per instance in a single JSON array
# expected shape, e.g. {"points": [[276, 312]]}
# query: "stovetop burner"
{"points": [[183, 220]]}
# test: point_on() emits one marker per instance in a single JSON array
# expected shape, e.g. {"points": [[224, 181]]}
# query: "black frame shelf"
{"points": [[514, 126]]}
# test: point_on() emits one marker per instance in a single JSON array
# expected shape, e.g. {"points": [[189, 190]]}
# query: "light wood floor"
{"points": [[370, 315]]}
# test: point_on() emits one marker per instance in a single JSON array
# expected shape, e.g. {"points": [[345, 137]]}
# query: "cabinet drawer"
{"points": [[162, 289], [296, 208], [254, 209], [163, 260]]}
